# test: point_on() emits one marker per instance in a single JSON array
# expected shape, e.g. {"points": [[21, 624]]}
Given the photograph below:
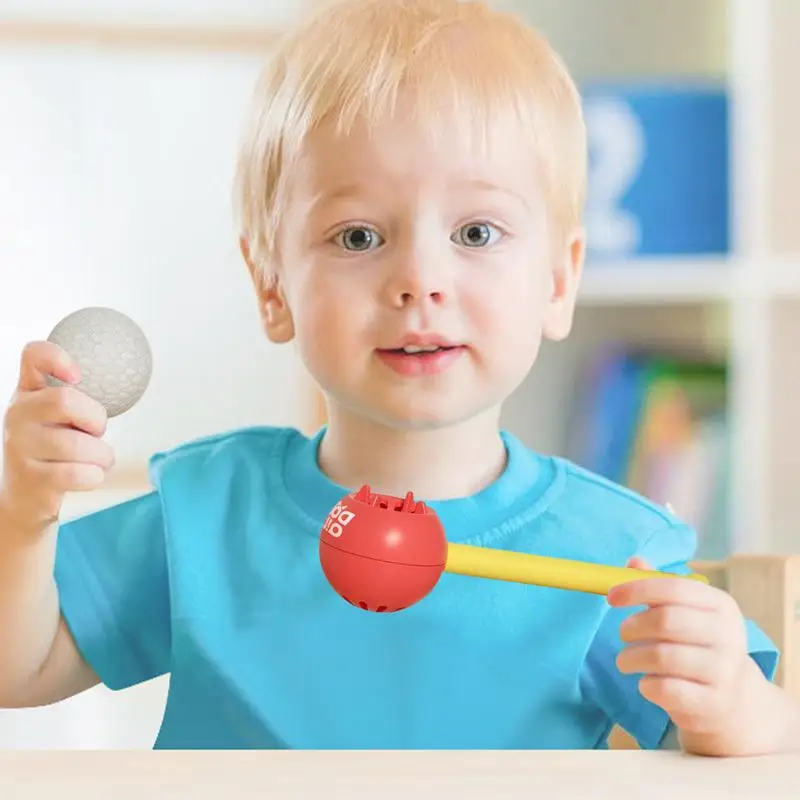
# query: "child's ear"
{"points": [[276, 317], [566, 278]]}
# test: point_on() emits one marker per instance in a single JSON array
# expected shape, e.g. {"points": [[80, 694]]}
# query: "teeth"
{"points": [[411, 348]]}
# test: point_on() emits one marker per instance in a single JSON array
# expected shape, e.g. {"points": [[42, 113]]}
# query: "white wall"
{"points": [[163, 12], [115, 188]]}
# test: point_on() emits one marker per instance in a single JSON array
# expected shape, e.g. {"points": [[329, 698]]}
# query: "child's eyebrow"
{"points": [[344, 192], [349, 191], [488, 186]]}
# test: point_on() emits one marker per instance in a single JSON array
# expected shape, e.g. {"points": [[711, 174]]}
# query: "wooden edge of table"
{"points": [[393, 774]]}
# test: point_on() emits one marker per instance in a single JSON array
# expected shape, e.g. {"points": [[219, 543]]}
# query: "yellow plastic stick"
{"points": [[559, 573]]}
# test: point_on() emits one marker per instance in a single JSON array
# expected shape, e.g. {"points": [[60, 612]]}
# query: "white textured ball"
{"points": [[113, 354]]}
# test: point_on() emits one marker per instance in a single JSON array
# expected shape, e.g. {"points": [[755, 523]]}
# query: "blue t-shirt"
{"points": [[214, 577]]}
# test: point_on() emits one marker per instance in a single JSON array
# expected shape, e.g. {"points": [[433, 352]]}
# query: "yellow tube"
{"points": [[559, 573]]}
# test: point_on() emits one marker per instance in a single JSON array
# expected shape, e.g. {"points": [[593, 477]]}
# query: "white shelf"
{"points": [[659, 281], [688, 281], [784, 278]]}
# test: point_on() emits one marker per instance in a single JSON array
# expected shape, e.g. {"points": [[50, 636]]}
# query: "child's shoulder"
{"points": [[228, 450], [592, 492], [607, 518]]}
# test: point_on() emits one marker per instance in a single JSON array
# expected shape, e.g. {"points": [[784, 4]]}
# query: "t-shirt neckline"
{"points": [[525, 480]]}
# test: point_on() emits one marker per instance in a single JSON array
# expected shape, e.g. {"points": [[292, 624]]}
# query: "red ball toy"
{"points": [[382, 553]]}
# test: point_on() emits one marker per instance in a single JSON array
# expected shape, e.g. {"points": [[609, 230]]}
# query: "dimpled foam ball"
{"points": [[113, 354]]}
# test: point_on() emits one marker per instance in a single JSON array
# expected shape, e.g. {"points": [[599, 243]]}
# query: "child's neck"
{"points": [[438, 464]]}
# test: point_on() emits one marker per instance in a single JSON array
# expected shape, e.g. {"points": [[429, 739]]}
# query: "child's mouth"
{"points": [[420, 352], [415, 360]]}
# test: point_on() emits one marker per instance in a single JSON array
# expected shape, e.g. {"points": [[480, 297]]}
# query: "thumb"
{"points": [[639, 563]]}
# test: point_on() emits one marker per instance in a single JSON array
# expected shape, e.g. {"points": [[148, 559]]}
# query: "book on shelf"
{"points": [[657, 423]]}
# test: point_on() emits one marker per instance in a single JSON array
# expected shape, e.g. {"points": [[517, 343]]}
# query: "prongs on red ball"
{"points": [[363, 495]]}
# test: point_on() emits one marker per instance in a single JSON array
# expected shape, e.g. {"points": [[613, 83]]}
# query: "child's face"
{"points": [[390, 240]]}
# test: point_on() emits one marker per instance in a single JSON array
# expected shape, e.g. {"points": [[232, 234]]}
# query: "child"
{"points": [[410, 190]]}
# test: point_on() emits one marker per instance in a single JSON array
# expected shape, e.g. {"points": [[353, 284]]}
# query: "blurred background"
{"points": [[119, 122]]}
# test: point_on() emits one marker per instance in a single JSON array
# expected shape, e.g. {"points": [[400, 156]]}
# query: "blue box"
{"points": [[658, 170]]}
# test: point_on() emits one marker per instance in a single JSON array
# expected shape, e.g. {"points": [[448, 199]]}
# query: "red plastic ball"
{"points": [[382, 553]]}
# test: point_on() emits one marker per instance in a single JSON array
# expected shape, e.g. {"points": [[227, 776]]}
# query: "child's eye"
{"points": [[477, 234], [358, 238]]}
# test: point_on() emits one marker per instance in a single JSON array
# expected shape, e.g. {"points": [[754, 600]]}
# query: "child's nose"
{"points": [[415, 282], [407, 298]]}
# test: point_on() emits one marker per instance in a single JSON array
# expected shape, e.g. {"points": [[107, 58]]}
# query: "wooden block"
{"points": [[619, 739], [715, 571], [767, 589]]}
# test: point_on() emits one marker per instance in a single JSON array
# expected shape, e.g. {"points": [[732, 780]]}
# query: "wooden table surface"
{"points": [[142, 775]]}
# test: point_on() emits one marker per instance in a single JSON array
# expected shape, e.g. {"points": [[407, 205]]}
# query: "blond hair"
{"points": [[466, 65]]}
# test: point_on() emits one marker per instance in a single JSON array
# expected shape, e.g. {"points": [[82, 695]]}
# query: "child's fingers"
{"points": [[665, 591], [668, 659], [67, 445], [687, 702], [41, 360], [674, 623], [65, 405], [60, 477]]}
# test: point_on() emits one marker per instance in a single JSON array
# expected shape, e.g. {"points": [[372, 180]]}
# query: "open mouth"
{"points": [[413, 350], [413, 359]]}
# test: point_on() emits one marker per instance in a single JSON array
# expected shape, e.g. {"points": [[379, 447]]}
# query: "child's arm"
{"points": [[52, 444], [39, 662], [89, 599], [89, 603]]}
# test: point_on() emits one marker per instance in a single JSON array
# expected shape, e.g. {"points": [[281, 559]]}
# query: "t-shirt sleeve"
{"points": [[112, 578], [617, 694]]}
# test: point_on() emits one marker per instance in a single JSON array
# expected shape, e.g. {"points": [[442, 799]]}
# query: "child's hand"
{"points": [[690, 644], [51, 439]]}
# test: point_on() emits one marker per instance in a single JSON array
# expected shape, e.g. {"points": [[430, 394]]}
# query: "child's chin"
{"points": [[427, 418]]}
